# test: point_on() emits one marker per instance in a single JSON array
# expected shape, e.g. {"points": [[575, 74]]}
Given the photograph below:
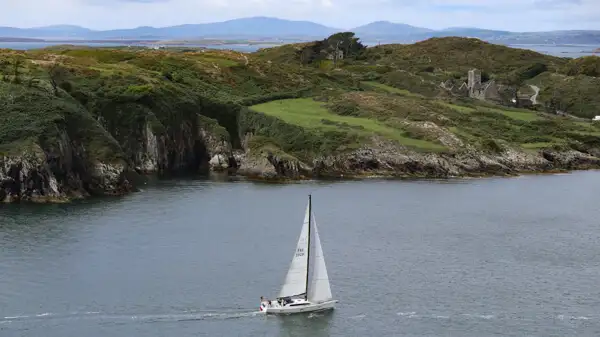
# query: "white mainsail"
{"points": [[295, 280], [319, 289]]}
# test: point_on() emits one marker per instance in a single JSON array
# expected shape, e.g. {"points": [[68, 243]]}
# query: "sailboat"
{"points": [[306, 287]]}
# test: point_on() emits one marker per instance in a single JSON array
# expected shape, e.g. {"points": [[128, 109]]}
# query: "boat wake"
{"points": [[108, 318], [224, 314], [504, 316]]}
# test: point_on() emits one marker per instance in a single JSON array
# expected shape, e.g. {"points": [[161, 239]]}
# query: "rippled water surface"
{"points": [[504, 257]]}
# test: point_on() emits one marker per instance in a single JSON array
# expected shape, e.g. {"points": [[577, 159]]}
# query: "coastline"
{"points": [[225, 177], [303, 123]]}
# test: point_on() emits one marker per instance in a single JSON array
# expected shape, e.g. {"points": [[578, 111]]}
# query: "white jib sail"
{"points": [[295, 280], [319, 289]]}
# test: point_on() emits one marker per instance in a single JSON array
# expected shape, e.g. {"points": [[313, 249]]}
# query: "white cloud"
{"points": [[518, 15]]}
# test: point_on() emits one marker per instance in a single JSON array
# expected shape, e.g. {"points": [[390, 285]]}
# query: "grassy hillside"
{"points": [[418, 123], [122, 87], [576, 95], [457, 55], [421, 67], [140, 106]]}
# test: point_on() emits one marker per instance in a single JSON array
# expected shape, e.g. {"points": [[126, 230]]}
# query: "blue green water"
{"points": [[509, 257], [555, 50]]}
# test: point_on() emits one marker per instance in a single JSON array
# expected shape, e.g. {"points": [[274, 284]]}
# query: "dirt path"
{"points": [[537, 92]]}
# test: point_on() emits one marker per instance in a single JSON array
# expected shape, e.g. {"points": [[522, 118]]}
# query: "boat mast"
{"points": [[308, 252]]}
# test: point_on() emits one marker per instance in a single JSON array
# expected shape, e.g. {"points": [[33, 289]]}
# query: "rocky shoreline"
{"points": [[366, 165], [44, 176]]}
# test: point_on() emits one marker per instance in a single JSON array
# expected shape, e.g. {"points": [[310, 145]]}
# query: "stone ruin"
{"points": [[474, 87]]}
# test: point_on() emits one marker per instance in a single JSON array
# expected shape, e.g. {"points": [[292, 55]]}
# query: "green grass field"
{"points": [[389, 89], [517, 114], [524, 115], [308, 113], [459, 108]]}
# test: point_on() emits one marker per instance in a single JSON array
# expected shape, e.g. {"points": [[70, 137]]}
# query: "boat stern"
{"points": [[263, 307]]}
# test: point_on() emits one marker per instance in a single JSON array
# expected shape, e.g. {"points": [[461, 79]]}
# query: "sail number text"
{"points": [[299, 252]]}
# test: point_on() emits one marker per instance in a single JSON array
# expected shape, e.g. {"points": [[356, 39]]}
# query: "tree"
{"points": [[17, 64], [307, 55], [57, 75], [4, 70], [345, 42]]}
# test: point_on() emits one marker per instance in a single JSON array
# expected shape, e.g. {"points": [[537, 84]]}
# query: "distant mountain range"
{"points": [[273, 28]]}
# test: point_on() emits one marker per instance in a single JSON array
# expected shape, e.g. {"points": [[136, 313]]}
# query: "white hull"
{"points": [[277, 309]]}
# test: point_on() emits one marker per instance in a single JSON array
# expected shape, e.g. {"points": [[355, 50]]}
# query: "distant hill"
{"points": [[47, 32], [274, 28], [246, 27], [393, 33], [386, 28]]}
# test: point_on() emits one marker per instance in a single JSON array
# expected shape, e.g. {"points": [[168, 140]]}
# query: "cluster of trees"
{"points": [[14, 70], [335, 47], [11, 69]]}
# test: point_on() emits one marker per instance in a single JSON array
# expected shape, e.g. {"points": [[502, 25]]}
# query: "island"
{"points": [[79, 121]]}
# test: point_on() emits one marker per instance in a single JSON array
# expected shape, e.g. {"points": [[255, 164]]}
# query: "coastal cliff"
{"points": [[80, 122], [59, 170]]}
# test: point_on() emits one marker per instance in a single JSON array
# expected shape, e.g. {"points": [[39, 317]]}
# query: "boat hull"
{"points": [[276, 309]]}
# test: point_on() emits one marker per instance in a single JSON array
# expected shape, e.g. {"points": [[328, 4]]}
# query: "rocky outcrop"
{"points": [[25, 175], [58, 171], [151, 156], [61, 168], [269, 165], [200, 145], [109, 179], [217, 146], [28, 177], [383, 158]]}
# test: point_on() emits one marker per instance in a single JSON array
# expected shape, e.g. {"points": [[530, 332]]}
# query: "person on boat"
{"points": [[263, 300]]}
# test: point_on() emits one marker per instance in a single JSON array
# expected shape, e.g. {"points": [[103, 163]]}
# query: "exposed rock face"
{"points": [[267, 165], [109, 179], [151, 156], [191, 146], [26, 176], [387, 159], [58, 174], [255, 166], [64, 169], [218, 149]]}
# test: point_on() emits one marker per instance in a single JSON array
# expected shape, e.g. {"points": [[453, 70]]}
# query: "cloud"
{"points": [[515, 15]]}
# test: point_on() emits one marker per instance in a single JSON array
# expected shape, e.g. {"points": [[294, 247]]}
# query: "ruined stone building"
{"points": [[455, 89], [474, 88], [488, 91], [482, 91]]}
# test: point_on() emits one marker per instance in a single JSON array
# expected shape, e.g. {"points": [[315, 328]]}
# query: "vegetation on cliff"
{"points": [[96, 118]]}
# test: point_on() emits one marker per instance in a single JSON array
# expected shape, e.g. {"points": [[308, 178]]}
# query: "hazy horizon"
{"points": [[272, 17], [509, 15]]}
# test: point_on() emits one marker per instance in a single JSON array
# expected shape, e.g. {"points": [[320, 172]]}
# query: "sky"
{"points": [[512, 15]]}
